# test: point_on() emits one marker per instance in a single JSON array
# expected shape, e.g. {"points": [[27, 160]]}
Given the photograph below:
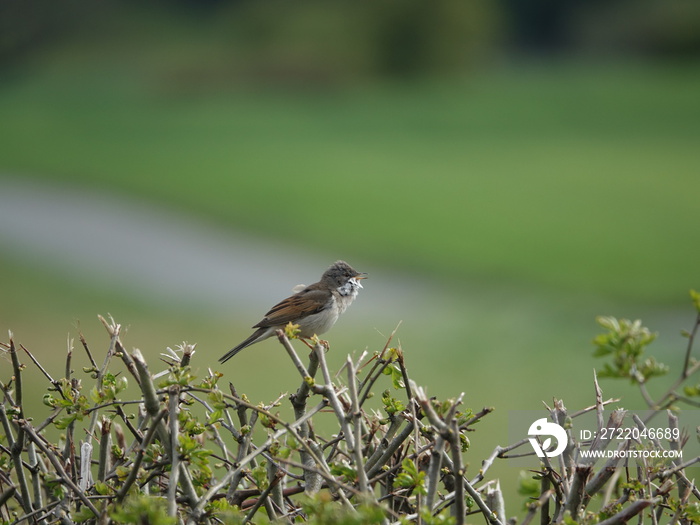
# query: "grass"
{"points": [[573, 178]]}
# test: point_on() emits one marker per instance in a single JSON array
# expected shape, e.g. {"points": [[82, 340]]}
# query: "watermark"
{"points": [[631, 454], [543, 428], [646, 437]]}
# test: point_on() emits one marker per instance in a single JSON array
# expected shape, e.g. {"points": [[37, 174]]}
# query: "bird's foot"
{"points": [[313, 341]]}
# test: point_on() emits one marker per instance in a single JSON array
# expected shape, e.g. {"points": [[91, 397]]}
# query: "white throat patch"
{"points": [[350, 288]]}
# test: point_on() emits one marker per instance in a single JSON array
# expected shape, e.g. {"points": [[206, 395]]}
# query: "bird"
{"points": [[315, 308]]}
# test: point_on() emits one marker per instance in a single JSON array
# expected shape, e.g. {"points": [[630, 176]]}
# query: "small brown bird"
{"points": [[315, 309]]}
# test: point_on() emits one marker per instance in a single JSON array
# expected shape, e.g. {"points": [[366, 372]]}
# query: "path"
{"points": [[162, 254]]}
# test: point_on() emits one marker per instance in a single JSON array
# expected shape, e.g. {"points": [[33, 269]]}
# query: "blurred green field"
{"points": [[569, 177], [536, 198]]}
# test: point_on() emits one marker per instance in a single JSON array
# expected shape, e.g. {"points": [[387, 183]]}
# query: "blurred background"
{"points": [[504, 171]]}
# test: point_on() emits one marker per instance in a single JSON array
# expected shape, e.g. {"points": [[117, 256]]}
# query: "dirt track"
{"points": [[161, 254]]}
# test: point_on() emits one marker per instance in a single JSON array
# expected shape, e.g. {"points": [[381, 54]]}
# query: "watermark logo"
{"points": [[543, 428], [621, 442]]}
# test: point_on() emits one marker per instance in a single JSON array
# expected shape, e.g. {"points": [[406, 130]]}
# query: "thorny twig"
{"points": [[361, 465]]}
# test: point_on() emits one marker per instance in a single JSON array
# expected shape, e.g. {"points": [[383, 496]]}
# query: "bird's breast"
{"points": [[342, 301], [322, 321]]}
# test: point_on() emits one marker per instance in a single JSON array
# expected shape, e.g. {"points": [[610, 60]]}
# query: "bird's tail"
{"points": [[258, 335]]}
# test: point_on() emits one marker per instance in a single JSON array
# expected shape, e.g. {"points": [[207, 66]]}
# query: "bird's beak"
{"points": [[359, 277]]}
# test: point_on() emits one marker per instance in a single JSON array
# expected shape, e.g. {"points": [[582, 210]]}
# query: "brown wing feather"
{"points": [[308, 301]]}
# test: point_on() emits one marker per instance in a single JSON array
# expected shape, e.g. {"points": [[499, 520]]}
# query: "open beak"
{"points": [[359, 277]]}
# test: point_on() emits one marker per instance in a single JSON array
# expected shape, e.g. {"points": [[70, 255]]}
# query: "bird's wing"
{"points": [[308, 301]]}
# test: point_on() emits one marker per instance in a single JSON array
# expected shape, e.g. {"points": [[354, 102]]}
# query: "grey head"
{"points": [[343, 277]]}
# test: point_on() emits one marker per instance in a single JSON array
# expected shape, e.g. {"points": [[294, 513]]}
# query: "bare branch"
{"points": [[459, 509], [17, 444], [356, 451], [147, 440], [65, 478], [629, 512], [173, 409]]}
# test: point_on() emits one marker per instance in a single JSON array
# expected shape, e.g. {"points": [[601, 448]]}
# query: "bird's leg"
{"points": [[314, 339]]}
